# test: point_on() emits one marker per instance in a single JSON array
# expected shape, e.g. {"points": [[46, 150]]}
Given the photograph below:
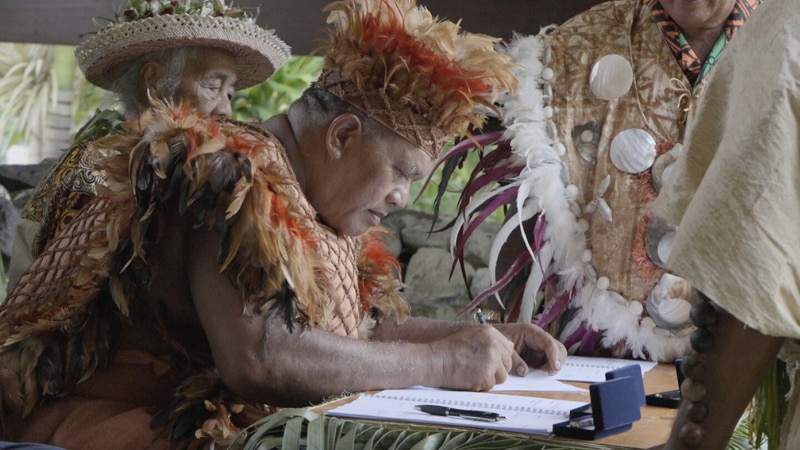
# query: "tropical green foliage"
{"points": [[448, 202], [28, 85], [89, 99], [276, 94], [769, 406]]}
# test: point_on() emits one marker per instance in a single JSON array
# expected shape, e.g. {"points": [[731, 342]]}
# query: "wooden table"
{"points": [[652, 429]]}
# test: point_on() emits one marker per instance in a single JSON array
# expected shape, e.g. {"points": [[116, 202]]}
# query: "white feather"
{"points": [[510, 226]]}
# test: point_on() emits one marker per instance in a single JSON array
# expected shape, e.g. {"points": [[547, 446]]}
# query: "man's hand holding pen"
{"points": [[478, 356], [533, 347]]}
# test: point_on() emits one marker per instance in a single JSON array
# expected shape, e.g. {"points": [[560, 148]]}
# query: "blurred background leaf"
{"points": [[276, 94]]}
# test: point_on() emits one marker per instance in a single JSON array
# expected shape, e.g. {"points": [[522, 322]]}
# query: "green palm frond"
{"points": [[769, 407], [302, 428], [293, 429], [743, 436], [28, 87]]}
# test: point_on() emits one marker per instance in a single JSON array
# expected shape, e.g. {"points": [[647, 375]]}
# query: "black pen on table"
{"points": [[438, 410]]}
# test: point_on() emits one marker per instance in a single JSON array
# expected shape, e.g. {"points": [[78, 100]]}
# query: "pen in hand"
{"points": [[437, 410]]}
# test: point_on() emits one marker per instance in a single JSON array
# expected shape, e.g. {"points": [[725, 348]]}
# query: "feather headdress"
{"points": [[420, 76]]}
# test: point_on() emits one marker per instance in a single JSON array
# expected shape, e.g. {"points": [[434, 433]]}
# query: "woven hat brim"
{"points": [[259, 52]]}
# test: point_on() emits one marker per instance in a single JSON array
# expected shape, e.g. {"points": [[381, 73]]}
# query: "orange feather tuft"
{"points": [[415, 63]]}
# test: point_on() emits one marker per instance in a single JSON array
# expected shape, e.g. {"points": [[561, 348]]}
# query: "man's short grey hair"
{"points": [[321, 105]]}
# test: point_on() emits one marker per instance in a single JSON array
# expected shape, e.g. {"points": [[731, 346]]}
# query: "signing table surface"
{"points": [[652, 429]]}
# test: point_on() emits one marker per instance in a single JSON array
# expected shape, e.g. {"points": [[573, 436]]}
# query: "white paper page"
{"points": [[522, 414], [590, 369], [535, 381]]}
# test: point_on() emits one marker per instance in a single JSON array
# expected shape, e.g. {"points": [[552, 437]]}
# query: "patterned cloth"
{"points": [[87, 295], [736, 195], [693, 67], [63, 192]]}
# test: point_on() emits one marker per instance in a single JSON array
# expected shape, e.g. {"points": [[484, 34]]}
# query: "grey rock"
{"points": [[430, 291], [480, 280], [20, 198], [392, 241], [479, 244], [16, 177], [414, 228]]}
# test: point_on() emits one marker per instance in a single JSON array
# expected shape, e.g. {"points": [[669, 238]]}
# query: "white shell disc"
{"points": [[665, 245], [633, 150], [611, 77]]}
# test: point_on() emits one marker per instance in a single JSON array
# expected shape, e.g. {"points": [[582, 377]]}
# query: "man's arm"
{"points": [[533, 346], [734, 367], [309, 364]]}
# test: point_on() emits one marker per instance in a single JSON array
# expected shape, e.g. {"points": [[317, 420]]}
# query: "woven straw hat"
{"points": [[259, 52]]}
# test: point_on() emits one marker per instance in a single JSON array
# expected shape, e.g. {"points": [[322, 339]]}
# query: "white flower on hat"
{"points": [[207, 9], [142, 9]]}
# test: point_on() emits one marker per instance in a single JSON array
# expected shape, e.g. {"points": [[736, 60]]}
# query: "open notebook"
{"points": [[522, 414]]}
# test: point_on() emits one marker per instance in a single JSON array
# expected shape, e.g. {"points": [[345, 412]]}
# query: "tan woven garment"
{"points": [[652, 105], [54, 276], [341, 308], [52, 297], [342, 311]]}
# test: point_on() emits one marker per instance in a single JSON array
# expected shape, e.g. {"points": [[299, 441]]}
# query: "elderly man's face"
{"points": [[209, 81], [370, 177]]}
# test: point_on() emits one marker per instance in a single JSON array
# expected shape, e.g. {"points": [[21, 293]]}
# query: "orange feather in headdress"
{"points": [[416, 64]]}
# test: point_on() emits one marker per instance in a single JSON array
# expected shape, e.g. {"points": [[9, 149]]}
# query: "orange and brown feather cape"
{"points": [[56, 328]]}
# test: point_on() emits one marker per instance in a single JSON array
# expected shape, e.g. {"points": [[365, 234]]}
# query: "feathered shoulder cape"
{"points": [[56, 326]]}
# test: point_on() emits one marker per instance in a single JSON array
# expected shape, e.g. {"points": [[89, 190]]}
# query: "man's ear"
{"points": [[149, 75], [343, 129]]}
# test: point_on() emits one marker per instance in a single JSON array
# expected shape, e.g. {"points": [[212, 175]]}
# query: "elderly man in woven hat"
{"points": [[224, 270], [193, 51]]}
